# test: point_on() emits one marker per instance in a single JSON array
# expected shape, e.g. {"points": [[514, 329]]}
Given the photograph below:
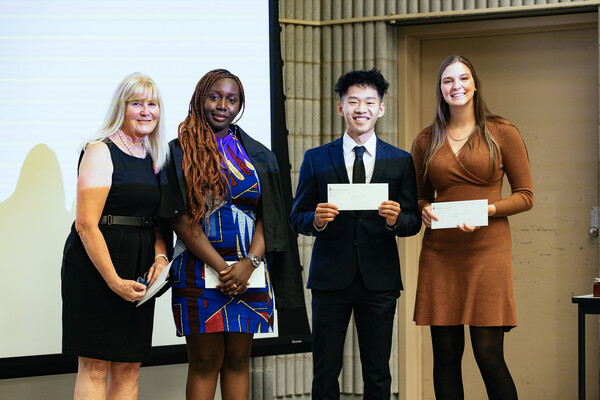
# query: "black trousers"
{"points": [[374, 319]]}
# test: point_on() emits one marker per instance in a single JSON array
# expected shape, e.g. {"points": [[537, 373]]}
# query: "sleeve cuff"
{"points": [[319, 229]]}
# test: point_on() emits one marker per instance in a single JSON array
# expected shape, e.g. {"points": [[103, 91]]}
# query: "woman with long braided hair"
{"points": [[219, 182]]}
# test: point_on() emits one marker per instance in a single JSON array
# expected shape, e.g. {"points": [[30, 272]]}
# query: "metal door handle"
{"points": [[593, 231]]}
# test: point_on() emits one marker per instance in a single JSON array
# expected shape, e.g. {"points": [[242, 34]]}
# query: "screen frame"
{"points": [[293, 328]]}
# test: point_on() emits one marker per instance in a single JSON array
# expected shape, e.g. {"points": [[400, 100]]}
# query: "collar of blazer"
{"points": [[252, 146], [336, 152]]}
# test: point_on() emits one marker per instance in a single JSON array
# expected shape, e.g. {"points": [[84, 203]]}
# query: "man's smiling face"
{"points": [[361, 107]]}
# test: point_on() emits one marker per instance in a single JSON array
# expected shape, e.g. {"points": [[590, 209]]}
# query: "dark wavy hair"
{"points": [[202, 161], [442, 116], [371, 78]]}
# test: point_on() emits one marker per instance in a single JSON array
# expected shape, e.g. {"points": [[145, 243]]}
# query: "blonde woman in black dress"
{"points": [[113, 242]]}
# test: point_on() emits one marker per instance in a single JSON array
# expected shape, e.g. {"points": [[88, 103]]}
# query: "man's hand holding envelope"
{"points": [[355, 197]]}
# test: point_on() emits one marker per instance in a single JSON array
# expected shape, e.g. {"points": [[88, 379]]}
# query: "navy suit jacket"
{"points": [[355, 239]]}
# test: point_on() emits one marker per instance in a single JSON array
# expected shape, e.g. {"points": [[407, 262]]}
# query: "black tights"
{"points": [[488, 348]]}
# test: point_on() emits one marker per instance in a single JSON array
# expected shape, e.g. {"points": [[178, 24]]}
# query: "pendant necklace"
{"points": [[129, 148]]}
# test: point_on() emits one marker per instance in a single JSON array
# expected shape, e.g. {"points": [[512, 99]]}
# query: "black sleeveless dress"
{"points": [[97, 323]]}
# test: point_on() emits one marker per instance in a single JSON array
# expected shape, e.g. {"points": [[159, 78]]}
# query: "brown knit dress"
{"points": [[466, 278]]}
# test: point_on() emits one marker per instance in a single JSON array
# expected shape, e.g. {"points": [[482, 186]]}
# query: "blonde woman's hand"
{"points": [[157, 267], [129, 290]]}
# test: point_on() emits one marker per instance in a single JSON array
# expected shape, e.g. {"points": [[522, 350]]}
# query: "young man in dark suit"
{"points": [[355, 264]]}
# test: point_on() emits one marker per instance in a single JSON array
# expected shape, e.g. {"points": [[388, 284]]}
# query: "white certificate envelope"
{"points": [[357, 196], [257, 279], [453, 213], [158, 284]]}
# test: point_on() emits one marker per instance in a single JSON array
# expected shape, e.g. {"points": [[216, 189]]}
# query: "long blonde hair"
{"points": [[135, 86], [442, 117]]}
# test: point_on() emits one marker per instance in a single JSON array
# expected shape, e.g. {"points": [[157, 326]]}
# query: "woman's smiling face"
{"points": [[222, 104], [457, 85], [141, 117]]}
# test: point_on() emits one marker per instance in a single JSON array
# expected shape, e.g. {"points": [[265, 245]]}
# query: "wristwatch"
{"points": [[255, 260]]}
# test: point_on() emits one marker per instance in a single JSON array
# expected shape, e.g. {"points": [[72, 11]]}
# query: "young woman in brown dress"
{"points": [[465, 274]]}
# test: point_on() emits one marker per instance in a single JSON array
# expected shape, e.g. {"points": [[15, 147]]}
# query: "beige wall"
{"points": [[529, 67]]}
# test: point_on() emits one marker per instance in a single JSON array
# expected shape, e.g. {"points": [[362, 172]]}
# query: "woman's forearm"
{"points": [[192, 235]]}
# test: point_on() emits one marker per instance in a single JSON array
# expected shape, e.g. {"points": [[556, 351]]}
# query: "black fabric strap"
{"points": [[142, 222], [358, 170]]}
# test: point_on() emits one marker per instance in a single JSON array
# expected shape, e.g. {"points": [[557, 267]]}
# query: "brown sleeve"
{"points": [[515, 161]]}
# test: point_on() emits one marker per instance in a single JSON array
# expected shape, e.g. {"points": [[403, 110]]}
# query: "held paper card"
{"points": [[157, 285], [257, 279], [453, 213], [357, 196]]}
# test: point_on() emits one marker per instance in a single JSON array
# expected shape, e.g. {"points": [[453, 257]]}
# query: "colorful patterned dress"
{"points": [[230, 228]]}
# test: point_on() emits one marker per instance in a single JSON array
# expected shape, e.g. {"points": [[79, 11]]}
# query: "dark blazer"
{"points": [[355, 239], [286, 272]]}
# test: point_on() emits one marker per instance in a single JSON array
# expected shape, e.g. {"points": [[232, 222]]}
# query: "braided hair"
{"points": [[202, 162]]}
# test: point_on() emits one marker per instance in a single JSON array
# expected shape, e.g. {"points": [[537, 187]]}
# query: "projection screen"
{"points": [[60, 62]]}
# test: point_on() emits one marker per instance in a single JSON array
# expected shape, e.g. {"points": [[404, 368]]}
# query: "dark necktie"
{"points": [[358, 170]]}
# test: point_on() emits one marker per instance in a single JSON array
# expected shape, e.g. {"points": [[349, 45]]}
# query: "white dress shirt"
{"points": [[369, 157], [349, 155]]}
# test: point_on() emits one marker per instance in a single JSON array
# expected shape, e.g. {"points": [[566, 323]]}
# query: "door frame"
{"points": [[410, 354]]}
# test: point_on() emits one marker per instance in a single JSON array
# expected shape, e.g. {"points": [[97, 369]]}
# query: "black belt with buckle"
{"points": [[142, 222]]}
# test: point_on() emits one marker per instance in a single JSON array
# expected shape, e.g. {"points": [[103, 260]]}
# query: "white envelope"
{"points": [[357, 196], [453, 213], [257, 279], [160, 282]]}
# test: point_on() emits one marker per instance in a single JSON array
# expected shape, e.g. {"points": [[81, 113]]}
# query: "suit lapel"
{"points": [[336, 152], [380, 154]]}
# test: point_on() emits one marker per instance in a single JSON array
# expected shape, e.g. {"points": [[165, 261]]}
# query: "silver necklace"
{"points": [[129, 148]]}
